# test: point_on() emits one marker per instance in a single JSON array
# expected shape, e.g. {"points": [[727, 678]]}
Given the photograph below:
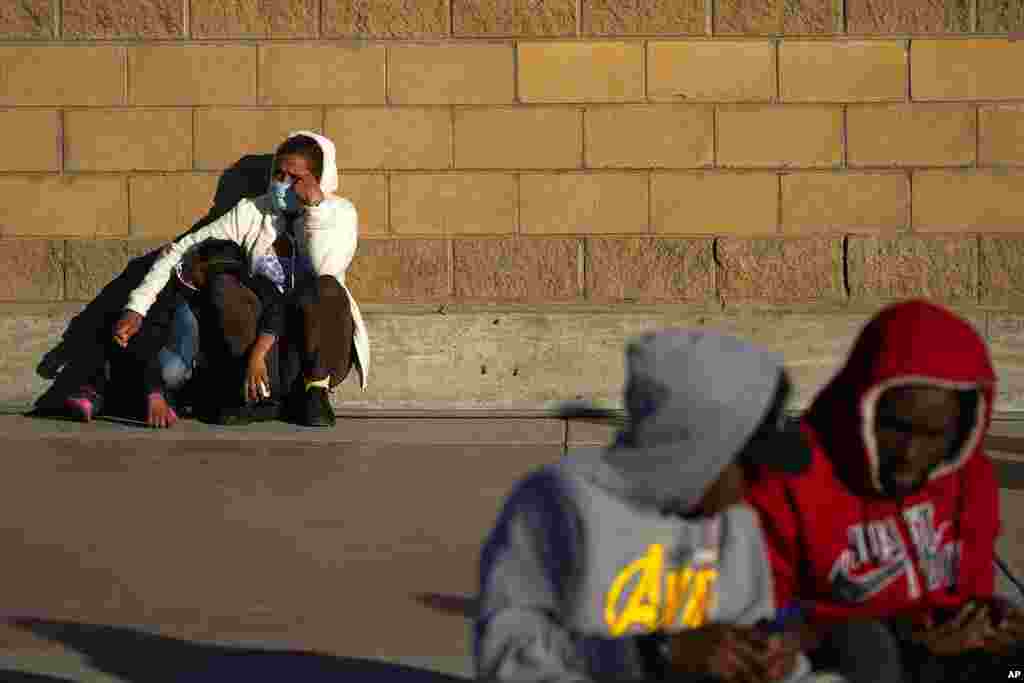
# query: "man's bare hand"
{"points": [[127, 327], [308, 189], [1007, 633], [159, 413], [731, 653], [779, 654], [968, 630], [257, 379]]}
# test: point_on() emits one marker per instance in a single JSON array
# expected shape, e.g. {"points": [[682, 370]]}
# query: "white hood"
{"points": [[329, 178]]}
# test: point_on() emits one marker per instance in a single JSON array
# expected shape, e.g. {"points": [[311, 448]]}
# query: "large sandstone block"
{"points": [[28, 19], [746, 17], [38, 206], [965, 69], [921, 16], [30, 139], [189, 75], [1000, 16], [715, 203], [387, 18], [649, 136], [583, 203], [650, 270], [780, 136], [975, 200], [141, 19], [518, 137], [31, 270], [166, 205], [845, 202], [397, 270], [82, 76], [623, 17], [1006, 345], [812, 17], [391, 137], [714, 70], [1002, 272], [368, 192], [842, 71], [225, 135], [254, 18], [128, 140], [454, 203], [581, 71], [451, 74], [1002, 135], [775, 16], [911, 135], [526, 270], [547, 18], [93, 264], [776, 271], [322, 74], [941, 268]]}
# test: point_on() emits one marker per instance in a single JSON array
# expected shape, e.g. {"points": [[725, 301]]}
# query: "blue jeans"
{"points": [[176, 359]]}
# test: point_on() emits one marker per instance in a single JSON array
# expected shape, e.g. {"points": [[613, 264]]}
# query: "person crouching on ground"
{"points": [[638, 560], [157, 365], [889, 537], [302, 237]]}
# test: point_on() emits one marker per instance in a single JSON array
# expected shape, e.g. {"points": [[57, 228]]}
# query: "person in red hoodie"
{"points": [[887, 541]]}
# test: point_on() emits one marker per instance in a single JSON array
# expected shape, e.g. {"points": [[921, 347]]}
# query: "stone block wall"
{"points": [[723, 155]]}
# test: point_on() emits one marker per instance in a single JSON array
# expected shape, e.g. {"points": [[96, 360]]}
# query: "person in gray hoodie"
{"points": [[638, 561]]}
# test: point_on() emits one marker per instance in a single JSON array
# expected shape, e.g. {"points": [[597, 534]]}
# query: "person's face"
{"points": [[915, 428], [726, 491], [291, 167]]}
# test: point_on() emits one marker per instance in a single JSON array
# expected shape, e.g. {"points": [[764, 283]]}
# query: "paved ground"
{"points": [[349, 552]]}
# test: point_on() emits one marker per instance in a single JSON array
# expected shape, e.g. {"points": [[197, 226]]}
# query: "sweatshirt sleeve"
{"points": [[526, 566], [979, 528], [331, 234], [769, 498], [230, 226]]}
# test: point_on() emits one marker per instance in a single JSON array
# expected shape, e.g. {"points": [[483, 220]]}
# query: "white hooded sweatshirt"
{"points": [[326, 234]]}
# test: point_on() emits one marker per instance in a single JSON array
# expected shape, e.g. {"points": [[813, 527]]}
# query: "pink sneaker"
{"points": [[84, 404]]}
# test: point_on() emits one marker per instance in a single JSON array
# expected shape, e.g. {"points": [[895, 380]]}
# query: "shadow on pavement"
{"points": [[9, 676], [140, 657], [454, 605]]}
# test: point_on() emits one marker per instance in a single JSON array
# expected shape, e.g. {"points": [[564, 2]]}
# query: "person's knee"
{"points": [[173, 370], [865, 651], [328, 286], [239, 310]]}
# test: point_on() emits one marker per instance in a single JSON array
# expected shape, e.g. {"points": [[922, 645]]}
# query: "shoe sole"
{"points": [[318, 423]]}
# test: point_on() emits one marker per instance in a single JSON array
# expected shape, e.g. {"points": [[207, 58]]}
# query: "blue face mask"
{"points": [[282, 194]]}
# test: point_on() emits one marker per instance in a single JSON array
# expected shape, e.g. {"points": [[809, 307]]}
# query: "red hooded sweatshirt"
{"points": [[836, 543]]}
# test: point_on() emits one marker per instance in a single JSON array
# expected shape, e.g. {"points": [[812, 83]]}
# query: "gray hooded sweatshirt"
{"points": [[584, 559]]}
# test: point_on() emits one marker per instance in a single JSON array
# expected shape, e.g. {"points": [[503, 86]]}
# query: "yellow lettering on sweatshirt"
{"points": [[687, 592]]}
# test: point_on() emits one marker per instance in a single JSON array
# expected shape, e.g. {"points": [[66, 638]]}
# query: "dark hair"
{"points": [[221, 256], [307, 148]]}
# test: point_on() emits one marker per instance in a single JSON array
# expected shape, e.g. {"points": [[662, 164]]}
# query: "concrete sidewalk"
{"points": [[358, 543]]}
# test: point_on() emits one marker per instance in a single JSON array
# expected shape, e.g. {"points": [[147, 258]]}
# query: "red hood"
{"points": [[913, 342]]}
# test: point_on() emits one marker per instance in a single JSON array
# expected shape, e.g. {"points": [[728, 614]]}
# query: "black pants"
{"points": [[875, 651], [315, 337], [319, 333]]}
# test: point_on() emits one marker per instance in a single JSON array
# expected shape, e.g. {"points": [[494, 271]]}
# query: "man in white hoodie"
{"points": [[638, 561], [301, 236]]}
